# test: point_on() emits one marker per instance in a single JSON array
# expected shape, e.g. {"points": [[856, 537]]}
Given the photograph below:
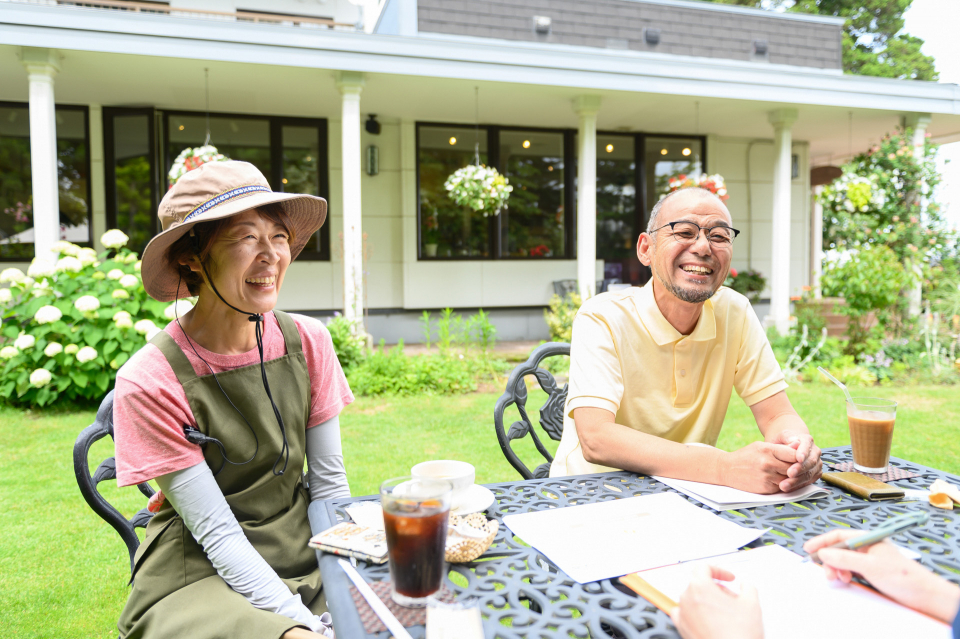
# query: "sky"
{"points": [[938, 23]]}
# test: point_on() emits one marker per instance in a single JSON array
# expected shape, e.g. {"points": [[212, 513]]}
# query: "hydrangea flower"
{"points": [[42, 268], [177, 309], [114, 239], [130, 258], [65, 248], [69, 264], [129, 281], [144, 326], [9, 352], [87, 256], [87, 354], [99, 275], [137, 266], [47, 314], [43, 288], [5, 295], [71, 349], [122, 315], [115, 274], [52, 349], [40, 377], [124, 322], [11, 275], [24, 341], [120, 294], [87, 304]]}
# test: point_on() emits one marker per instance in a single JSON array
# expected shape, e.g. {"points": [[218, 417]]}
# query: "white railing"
{"points": [[163, 9]]}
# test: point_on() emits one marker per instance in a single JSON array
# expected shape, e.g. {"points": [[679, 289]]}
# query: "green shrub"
{"points": [[481, 332], [348, 343], [392, 372], [560, 316], [71, 323]]}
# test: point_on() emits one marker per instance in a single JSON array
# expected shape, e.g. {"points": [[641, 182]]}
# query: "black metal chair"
{"points": [[100, 428], [551, 413]]}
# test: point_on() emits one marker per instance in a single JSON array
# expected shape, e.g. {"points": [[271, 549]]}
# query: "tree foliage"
{"points": [[872, 40]]}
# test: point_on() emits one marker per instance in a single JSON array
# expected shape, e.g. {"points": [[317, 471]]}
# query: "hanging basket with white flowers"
{"points": [[481, 188], [192, 158]]}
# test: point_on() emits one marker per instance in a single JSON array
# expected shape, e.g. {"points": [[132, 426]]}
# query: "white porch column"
{"points": [[782, 120], [918, 122], [586, 106], [42, 65], [816, 243], [350, 85]]}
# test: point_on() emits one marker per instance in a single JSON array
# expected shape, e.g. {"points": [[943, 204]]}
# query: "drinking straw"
{"points": [[837, 382]]}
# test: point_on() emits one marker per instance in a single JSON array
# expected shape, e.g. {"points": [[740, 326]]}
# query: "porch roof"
{"points": [[158, 60]]}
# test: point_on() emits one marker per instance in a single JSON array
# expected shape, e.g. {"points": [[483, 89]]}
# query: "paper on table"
{"points": [[368, 514], [798, 602], [613, 538], [726, 498]]}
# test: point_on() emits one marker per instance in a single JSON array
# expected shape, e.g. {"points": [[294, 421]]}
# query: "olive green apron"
{"points": [[176, 590]]}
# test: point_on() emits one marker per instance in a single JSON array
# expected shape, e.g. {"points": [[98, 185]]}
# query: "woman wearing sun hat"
{"points": [[221, 408]]}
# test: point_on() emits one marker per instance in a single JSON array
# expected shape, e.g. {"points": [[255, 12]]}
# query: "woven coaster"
{"points": [[407, 616], [893, 473]]}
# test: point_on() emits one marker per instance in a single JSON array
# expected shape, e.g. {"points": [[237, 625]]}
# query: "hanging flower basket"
{"points": [[713, 183], [481, 188], [190, 159]]}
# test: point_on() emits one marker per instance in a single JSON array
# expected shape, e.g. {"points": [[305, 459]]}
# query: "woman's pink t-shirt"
{"points": [[150, 406]]}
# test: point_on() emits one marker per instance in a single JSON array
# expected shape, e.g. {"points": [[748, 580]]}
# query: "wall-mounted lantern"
{"points": [[372, 158]]}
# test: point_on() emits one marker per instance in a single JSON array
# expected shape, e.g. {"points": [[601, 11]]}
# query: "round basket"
{"points": [[469, 536]]}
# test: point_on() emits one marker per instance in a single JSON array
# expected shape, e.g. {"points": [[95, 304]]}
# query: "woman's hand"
{"points": [[708, 610], [887, 570]]}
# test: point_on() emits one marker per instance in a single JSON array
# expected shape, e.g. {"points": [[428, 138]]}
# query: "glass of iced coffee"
{"points": [[871, 432], [415, 513]]}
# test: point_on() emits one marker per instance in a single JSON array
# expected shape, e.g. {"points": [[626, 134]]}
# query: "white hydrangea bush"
{"points": [[71, 321]]}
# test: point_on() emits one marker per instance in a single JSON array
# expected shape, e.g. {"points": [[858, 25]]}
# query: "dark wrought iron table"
{"points": [[522, 594]]}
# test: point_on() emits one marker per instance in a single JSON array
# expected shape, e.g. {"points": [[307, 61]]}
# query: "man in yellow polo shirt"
{"points": [[652, 369]]}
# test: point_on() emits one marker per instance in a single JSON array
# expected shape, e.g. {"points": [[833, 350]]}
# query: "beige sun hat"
{"points": [[214, 191]]}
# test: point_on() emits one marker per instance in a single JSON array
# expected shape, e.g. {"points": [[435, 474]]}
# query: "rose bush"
{"points": [[65, 330]]}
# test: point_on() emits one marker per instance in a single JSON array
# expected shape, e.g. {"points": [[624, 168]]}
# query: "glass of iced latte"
{"points": [[871, 432]]}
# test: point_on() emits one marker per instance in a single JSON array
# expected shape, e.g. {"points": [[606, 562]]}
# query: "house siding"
{"points": [[619, 24]]}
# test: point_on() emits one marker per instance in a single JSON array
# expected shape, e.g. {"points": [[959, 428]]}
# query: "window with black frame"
{"points": [[533, 223], [447, 229], [670, 157], [617, 215], [16, 186]]}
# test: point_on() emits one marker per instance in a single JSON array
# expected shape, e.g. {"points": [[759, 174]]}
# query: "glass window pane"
{"points": [[617, 206], [246, 139], [446, 228], [301, 151], [131, 148], [667, 158], [532, 224], [16, 194]]}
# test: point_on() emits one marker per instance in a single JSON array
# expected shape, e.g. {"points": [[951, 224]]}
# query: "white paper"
{"points": [[726, 498], [368, 514], [617, 537], [798, 602]]}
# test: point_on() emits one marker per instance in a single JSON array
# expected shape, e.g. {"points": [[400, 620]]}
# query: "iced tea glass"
{"points": [[415, 512], [871, 432]]}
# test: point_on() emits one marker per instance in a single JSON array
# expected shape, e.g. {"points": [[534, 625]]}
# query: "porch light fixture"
{"points": [[453, 141], [686, 151], [760, 47], [663, 151], [542, 24], [373, 159], [651, 36], [526, 144], [609, 148], [372, 126]]}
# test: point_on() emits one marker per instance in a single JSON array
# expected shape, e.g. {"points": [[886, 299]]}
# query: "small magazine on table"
{"points": [[350, 540]]}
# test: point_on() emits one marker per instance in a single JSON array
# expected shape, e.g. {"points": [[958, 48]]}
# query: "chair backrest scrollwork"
{"points": [[551, 413]]}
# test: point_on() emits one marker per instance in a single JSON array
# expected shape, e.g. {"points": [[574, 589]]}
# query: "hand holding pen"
{"points": [[884, 566]]}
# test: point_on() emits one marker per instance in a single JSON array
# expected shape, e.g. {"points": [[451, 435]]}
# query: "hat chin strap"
{"points": [[258, 318]]}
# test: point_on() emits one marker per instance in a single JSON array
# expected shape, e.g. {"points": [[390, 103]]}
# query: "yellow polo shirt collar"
{"points": [[661, 330]]}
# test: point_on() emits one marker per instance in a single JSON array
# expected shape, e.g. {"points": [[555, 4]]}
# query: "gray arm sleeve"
{"points": [[325, 472]]}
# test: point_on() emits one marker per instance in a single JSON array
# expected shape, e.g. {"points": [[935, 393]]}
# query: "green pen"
{"points": [[892, 527]]}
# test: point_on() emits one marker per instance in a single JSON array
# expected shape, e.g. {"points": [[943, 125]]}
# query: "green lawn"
{"points": [[63, 572]]}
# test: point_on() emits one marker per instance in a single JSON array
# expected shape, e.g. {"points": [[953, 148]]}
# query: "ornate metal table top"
{"points": [[520, 593]]}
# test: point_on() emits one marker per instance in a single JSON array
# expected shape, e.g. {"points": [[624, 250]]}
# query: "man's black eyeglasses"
{"points": [[688, 232]]}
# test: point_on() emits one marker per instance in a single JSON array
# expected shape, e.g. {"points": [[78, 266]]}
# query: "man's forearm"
{"points": [[786, 421], [617, 446]]}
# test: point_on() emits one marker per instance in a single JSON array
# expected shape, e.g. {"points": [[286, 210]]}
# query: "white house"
{"points": [[587, 107]]}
